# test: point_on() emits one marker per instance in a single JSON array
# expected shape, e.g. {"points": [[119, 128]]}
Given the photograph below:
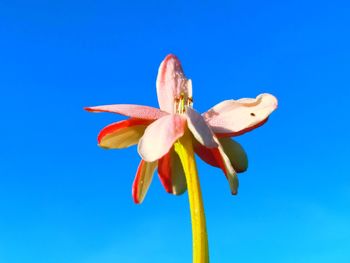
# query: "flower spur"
{"points": [[168, 137]]}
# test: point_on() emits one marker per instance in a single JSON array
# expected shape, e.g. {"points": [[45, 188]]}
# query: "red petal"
{"points": [[171, 174], [217, 155], [135, 185], [211, 156], [205, 154], [164, 172], [120, 125]]}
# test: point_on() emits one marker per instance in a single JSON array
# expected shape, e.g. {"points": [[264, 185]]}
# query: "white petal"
{"points": [[200, 128], [237, 116]]}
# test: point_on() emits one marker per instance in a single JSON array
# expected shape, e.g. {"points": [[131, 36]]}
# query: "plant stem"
{"points": [[184, 149]]}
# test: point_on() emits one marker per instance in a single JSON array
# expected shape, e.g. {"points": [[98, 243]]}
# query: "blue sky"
{"points": [[63, 199]]}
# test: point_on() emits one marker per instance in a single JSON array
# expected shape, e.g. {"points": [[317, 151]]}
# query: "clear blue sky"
{"points": [[64, 200]]}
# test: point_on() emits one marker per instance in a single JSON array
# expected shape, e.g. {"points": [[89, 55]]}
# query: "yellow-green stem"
{"points": [[184, 149]]}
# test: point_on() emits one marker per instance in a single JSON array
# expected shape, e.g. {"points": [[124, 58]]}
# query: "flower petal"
{"points": [[143, 180], [235, 117], [200, 128], [232, 149], [218, 158], [164, 172], [160, 136], [131, 110], [225, 164], [171, 82], [122, 134], [205, 154], [235, 153], [171, 173], [177, 175]]}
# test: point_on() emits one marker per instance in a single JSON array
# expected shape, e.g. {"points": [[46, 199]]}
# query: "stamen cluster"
{"points": [[181, 102]]}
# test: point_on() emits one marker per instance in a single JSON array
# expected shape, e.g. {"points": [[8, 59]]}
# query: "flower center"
{"points": [[182, 102]]}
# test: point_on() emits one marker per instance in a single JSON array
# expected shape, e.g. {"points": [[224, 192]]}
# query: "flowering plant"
{"points": [[169, 137]]}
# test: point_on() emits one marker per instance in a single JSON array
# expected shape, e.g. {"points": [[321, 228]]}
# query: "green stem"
{"points": [[184, 149]]}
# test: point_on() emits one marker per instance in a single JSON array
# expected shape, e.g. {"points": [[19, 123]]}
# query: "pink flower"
{"points": [[156, 130], [168, 137]]}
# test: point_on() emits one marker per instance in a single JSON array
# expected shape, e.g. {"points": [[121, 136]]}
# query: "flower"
{"points": [[156, 130], [168, 137]]}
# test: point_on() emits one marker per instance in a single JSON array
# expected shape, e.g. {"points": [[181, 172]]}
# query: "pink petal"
{"points": [[200, 128], [122, 134], [143, 180], [235, 117], [171, 173], [171, 82], [160, 136], [131, 110]]}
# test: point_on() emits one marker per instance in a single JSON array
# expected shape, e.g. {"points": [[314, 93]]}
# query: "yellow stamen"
{"points": [[184, 149], [181, 102]]}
